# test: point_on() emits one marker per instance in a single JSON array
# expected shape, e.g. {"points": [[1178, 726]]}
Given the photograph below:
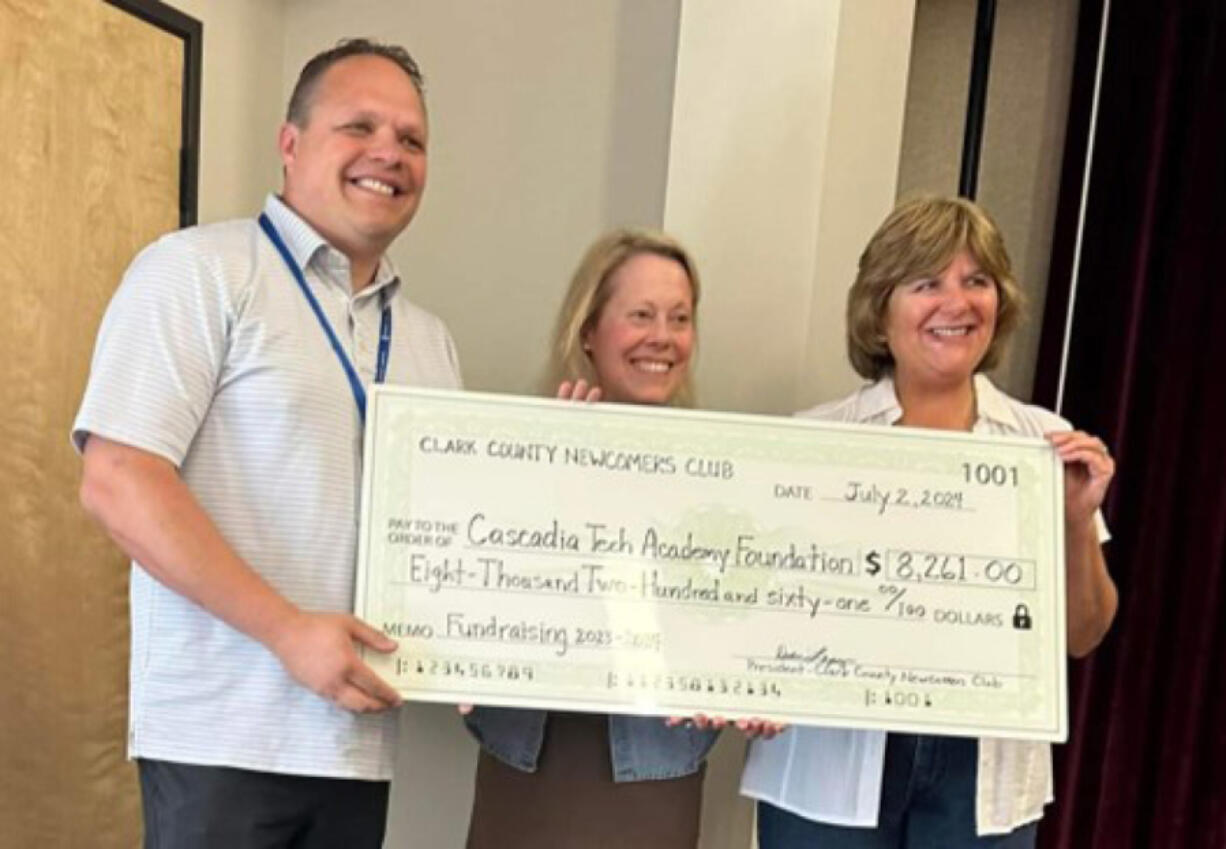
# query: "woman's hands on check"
{"points": [[1088, 469], [1091, 597], [752, 727], [579, 390]]}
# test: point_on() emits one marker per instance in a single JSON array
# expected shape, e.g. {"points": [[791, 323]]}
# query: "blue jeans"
{"points": [[927, 802]]}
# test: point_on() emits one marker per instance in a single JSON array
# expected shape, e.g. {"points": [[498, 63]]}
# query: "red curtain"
{"points": [[1146, 762]]}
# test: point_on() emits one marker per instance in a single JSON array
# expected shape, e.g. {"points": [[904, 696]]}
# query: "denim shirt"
{"points": [[642, 747]]}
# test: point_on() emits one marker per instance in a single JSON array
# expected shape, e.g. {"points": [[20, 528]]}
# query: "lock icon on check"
{"points": [[1021, 618]]}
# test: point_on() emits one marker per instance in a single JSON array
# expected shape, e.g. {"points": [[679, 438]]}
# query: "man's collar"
{"points": [[303, 242], [299, 236]]}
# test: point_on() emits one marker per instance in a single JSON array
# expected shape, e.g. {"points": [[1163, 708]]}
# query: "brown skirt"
{"points": [[572, 801]]}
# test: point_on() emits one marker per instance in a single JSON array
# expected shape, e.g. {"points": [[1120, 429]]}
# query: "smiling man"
{"points": [[221, 436], [354, 150]]}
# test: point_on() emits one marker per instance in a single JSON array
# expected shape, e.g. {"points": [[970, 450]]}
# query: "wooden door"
{"points": [[90, 104]]}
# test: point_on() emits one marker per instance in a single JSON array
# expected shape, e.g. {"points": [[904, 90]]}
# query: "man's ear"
{"points": [[287, 142]]}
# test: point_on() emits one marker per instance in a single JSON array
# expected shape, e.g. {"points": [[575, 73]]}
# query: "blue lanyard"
{"points": [[385, 324]]}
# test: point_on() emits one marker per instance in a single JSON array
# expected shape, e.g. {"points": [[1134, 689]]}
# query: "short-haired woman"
{"points": [[933, 305]]}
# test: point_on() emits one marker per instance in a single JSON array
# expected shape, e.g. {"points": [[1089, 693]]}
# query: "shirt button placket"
{"points": [[363, 344]]}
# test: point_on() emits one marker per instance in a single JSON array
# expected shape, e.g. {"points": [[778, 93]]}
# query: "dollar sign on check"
{"points": [[874, 563]]}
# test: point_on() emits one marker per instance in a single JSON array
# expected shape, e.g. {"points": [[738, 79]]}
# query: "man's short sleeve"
{"points": [[160, 349]]}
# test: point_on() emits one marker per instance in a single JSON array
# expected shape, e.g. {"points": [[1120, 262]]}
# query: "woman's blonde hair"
{"points": [[588, 293], [919, 239]]}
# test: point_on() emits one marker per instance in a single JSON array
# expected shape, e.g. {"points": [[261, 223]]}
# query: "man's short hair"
{"points": [[299, 109]]}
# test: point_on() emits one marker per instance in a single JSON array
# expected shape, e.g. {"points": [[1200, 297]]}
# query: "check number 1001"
{"points": [[990, 474]]}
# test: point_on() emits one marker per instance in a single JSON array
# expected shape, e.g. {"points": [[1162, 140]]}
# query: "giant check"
{"points": [[608, 557]]}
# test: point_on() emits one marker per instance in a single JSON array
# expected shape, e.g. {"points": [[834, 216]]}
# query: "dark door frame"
{"points": [[191, 31]]}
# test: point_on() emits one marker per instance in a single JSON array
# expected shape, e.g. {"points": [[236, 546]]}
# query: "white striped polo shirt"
{"points": [[210, 357]]}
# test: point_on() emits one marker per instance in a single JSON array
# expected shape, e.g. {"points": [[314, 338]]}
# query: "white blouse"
{"points": [[834, 775]]}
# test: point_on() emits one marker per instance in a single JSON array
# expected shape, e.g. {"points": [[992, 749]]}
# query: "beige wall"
{"points": [[936, 96], [1019, 173], [1023, 146]]}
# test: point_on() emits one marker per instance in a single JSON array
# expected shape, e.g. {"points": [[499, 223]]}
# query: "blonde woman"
{"points": [[625, 332]]}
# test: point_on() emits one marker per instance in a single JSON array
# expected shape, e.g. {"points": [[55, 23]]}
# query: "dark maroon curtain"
{"points": [[1146, 762]]}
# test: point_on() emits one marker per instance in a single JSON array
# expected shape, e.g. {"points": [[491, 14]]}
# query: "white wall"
{"points": [[860, 179], [778, 175], [752, 108], [548, 125], [241, 103]]}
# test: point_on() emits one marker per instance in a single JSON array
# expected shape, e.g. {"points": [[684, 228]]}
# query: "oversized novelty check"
{"points": [[614, 558]]}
